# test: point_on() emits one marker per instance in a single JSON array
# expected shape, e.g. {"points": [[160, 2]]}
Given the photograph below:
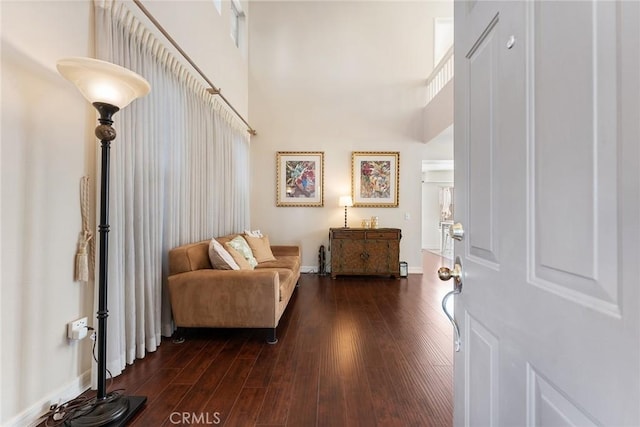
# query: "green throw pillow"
{"points": [[239, 244]]}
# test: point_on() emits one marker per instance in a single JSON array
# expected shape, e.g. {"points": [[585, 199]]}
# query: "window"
{"points": [[218, 5], [442, 38], [237, 20]]}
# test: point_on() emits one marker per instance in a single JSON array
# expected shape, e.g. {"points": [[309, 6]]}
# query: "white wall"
{"points": [[46, 149], [438, 114], [338, 77], [47, 145]]}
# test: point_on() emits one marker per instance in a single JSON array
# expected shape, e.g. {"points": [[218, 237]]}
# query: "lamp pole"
{"points": [[345, 216], [345, 201], [105, 133]]}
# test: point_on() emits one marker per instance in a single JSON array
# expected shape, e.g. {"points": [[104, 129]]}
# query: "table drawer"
{"points": [[348, 234], [382, 235]]}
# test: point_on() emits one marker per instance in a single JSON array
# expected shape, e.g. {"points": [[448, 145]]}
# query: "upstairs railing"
{"points": [[440, 76]]}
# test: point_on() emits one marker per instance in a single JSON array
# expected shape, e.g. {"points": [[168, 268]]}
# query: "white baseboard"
{"points": [[31, 416], [309, 269]]}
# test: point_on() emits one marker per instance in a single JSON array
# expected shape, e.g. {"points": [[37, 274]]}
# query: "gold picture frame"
{"points": [[300, 178], [375, 178]]}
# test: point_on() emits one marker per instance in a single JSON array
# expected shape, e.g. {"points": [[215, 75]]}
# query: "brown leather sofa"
{"points": [[205, 297]]}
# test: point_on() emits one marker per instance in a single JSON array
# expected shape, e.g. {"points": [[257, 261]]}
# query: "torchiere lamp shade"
{"points": [[103, 82]]}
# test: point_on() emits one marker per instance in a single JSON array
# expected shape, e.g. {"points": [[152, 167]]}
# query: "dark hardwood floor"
{"points": [[351, 352]]}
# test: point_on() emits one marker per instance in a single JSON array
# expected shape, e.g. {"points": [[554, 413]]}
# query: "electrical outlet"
{"points": [[77, 329]]}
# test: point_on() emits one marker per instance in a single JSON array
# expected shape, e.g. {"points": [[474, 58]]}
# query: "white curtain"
{"points": [[179, 174]]}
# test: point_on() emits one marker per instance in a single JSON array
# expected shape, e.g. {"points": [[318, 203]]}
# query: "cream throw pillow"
{"points": [[220, 258], [253, 233], [238, 257], [261, 248], [240, 244]]}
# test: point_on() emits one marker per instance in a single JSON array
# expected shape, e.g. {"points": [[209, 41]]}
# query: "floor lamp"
{"points": [[109, 88]]}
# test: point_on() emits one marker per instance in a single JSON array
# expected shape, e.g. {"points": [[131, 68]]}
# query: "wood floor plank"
{"points": [[245, 411], [275, 407], [154, 387], [199, 363], [158, 412], [187, 354], [195, 401], [304, 399], [226, 394], [332, 411]]}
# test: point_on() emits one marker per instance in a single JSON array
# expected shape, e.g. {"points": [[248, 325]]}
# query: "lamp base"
{"points": [[113, 413]]}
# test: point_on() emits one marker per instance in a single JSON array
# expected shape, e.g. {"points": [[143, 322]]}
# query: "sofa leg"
{"points": [[298, 284], [271, 336], [179, 336]]}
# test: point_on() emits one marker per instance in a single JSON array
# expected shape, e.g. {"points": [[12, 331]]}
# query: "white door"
{"points": [[547, 189]]}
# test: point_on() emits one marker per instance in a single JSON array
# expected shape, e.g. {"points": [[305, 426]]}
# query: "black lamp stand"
{"points": [[345, 217], [115, 409]]}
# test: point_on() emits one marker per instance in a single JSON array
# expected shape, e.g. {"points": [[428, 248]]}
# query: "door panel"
{"points": [[585, 142], [482, 374], [482, 74], [548, 406], [547, 188], [574, 129]]}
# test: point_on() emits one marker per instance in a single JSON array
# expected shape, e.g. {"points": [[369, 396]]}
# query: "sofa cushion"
{"points": [[260, 248], [227, 238], [286, 279], [240, 244], [220, 258], [238, 258], [289, 262]]}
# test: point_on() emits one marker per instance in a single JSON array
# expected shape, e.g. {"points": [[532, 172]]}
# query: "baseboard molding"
{"points": [[309, 269], [31, 416]]}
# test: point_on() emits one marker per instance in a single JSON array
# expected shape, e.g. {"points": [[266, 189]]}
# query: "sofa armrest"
{"points": [[282, 250], [225, 298]]}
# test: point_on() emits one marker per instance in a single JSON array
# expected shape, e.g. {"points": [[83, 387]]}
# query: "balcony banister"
{"points": [[441, 75]]}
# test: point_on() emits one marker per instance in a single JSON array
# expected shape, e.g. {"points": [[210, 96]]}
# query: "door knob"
{"points": [[445, 273], [456, 232]]}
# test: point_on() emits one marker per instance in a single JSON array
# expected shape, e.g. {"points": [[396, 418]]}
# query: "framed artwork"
{"points": [[300, 178], [375, 178]]}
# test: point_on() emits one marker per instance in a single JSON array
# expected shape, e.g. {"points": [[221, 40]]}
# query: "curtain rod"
{"points": [[213, 90]]}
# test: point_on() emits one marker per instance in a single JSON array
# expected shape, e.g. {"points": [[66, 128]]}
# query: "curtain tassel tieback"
{"points": [[81, 273], [82, 257]]}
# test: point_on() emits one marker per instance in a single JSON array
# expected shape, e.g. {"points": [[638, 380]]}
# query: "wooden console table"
{"points": [[365, 251]]}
